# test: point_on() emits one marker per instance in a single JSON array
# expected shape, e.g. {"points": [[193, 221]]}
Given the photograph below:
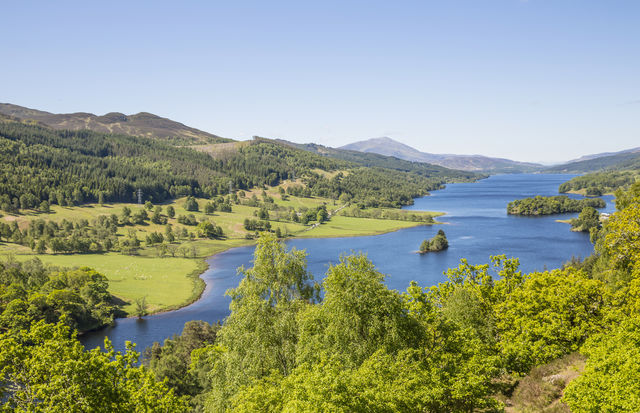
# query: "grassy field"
{"points": [[170, 282], [340, 226], [165, 282]]}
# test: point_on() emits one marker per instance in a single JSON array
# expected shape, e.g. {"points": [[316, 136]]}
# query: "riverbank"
{"points": [[583, 192]]}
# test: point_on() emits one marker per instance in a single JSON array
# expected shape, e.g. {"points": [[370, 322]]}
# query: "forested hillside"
{"points": [[384, 161], [619, 161], [39, 164], [600, 183]]}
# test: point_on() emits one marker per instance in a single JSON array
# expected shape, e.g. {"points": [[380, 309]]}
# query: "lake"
{"points": [[476, 225]]}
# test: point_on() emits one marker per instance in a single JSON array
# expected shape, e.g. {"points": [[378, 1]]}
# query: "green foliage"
{"points": [[210, 230], [141, 308], [619, 161], [363, 348], [357, 316], [551, 314], [66, 167], [263, 213], [610, 381], [438, 243], [619, 242], [210, 208], [547, 205], [471, 294], [589, 218], [370, 159], [187, 219], [260, 334], [190, 204], [157, 217], [66, 236], [255, 225], [408, 381], [599, 183], [173, 360], [392, 214], [628, 197], [30, 292], [71, 167], [45, 369]]}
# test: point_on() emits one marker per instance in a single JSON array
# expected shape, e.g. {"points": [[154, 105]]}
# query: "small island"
{"points": [[548, 205], [437, 243]]}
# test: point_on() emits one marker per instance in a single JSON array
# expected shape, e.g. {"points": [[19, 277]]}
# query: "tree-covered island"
{"points": [[548, 205], [438, 243]]}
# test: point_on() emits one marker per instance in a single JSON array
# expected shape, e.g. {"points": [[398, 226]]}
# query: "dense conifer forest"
{"points": [[39, 164]]}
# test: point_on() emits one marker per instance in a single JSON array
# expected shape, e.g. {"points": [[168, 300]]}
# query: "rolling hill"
{"points": [[140, 124], [370, 159], [623, 160], [475, 163], [604, 154]]}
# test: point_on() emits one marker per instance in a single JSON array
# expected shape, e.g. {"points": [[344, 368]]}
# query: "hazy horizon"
{"points": [[524, 80]]}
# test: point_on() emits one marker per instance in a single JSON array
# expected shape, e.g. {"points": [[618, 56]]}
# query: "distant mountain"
{"points": [[624, 160], [140, 124], [604, 154], [475, 163], [374, 160]]}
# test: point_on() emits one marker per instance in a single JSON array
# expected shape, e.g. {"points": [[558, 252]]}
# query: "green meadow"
{"points": [[340, 226]]}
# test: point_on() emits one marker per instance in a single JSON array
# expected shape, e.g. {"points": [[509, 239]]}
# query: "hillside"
{"points": [[603, 154], [619, 161], [475, 163], [39, 164], [370, 159], [140, 124]]}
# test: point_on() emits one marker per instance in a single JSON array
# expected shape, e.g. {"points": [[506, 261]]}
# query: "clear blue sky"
{"points": [[529, 80]]}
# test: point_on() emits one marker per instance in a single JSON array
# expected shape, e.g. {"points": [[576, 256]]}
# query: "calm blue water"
{"points": [[476, 225]]}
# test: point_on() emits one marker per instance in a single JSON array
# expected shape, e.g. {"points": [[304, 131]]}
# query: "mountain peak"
{"points": [[476, 163]]}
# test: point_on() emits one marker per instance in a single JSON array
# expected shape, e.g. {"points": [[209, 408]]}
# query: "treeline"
{"points": [[31, 292], [547, 205], [378, 213], [38, 164], [599, 183], [100, 235], [374, 187], [369, 159], [46, 369], [269, 210], [618, 162]]}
